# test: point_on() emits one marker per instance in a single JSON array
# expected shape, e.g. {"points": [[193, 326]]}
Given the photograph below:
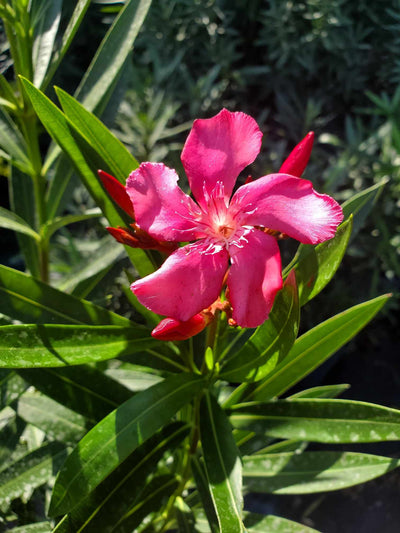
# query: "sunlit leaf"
{"points": [[314, 347], [320, 420], [271, 341], [223, 465], [43, 345], [309, 472]]}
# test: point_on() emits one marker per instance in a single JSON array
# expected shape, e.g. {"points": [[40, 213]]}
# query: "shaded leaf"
{"points": [[58, 422], [31, 301], [45, 30], [29, 472], [116, 495], [109, 443], [10, 220], [83, 389]]}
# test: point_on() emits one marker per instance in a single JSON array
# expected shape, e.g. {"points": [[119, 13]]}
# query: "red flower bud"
{"points": [[170, 329], [117, 192], [298, 157], [137, 238]]}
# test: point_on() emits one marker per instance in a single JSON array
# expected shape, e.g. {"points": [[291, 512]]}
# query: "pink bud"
{"points": [[298, 157], [170, 329], [117, 192]]}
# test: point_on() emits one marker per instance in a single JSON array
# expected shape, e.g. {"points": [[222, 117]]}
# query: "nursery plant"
{"points": [[166, 420]]}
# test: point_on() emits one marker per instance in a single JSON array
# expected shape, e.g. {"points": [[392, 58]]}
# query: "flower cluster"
{"points": [[230, 236]]}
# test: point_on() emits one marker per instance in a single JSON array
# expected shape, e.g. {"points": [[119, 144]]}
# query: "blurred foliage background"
{"points": [[332, 67]]}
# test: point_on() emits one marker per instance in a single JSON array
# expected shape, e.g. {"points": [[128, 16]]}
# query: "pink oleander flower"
{"points": [[227, 234]]}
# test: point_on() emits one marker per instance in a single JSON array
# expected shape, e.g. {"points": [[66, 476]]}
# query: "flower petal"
{"points": [[289, 205], [189, 281], [218, 149], [254, 278], [161, 207]]}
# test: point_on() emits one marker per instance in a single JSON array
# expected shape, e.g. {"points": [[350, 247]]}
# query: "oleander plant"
{"points": [[150, 336]]}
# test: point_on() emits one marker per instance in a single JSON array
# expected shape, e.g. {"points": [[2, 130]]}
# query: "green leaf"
{"points": [[29, 472], [29, 300], [12, 144], [46, 22], [118, 159], [316, 265], [11, 387], [59, 222], [119, 492], [201, 481], [271, 341], [83, 389], [22, 198], [112, 53], [361, 204], [82, 281], [223, 465], [154, 497], [38, 527], [309, 472], [314, 347], [73, 25], [323, 391], [46, 345], [109, 443], [274, 524], [10, 220], [62, 131], [58, 422], [320, 420]]}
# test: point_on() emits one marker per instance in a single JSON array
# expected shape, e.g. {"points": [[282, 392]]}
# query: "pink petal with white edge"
{"points": [[218, 149], [187, 282], [161, 207], [289, 205], [254, 278]]}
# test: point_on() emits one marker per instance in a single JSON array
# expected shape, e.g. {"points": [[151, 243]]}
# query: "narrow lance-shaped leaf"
{"points": [[361, 204], [116, 495], [22, 198], [117, 158], [31, 301], [48, 17], [271, 341], [10, 220], [111, 55], [63, 425], [44, 345], [73, 143], [316, 265], [223, 465], [73, 25], [314, 347], [12, 144], [84, 389], [30, 471], [320, 420], [309, 472], [274, 524], [110, 442]]}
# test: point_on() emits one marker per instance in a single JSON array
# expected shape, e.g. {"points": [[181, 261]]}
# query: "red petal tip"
{"points": [[298, 157], [117, 192]]}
